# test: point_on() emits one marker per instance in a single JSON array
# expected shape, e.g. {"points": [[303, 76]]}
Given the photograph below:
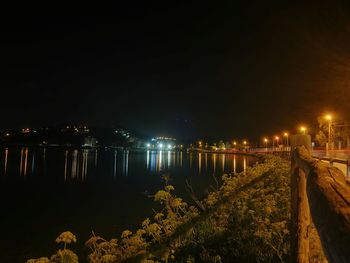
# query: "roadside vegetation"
{"points": [[246, 220]]}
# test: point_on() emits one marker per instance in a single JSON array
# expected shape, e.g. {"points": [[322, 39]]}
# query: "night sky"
{"points": [[191, 70]]}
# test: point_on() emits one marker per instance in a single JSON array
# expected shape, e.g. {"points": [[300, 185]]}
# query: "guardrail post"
{"points": [[300, 140], [300, 212]]}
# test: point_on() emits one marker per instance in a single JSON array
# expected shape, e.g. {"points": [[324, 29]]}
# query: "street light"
{"points": [[303, 129], [277, 139], [266, 141], [245, 144], [234, 144], [273, 142], [329, 118], [287, 137]]}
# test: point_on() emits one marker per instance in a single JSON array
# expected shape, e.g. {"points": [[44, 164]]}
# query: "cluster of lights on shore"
{"points": [[277, 138], [161, 143], [161, 146], [244, 143], [302, 129]]}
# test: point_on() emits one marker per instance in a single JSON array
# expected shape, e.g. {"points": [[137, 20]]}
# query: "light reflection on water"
{"points": [[214, 162], [5, 164], [23, 162], [223, 161], [199, 163], [33, 162], [234, 164], [244, 164], [65, 164], [80, 164]]}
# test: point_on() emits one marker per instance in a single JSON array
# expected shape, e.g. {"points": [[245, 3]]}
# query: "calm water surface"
{"points": [[45, 191]]}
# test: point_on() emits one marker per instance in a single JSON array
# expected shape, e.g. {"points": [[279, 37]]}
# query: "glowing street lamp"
{"points": [[234, 144], [329, 118], [277, 139], [287, 137], [266, 141], [303, 129]]}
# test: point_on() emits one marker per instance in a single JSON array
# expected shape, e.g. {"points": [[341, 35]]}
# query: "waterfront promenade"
{"points": [[337, 158]]}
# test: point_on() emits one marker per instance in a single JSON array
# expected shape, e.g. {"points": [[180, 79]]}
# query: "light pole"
{"points": [[303, 129], [277, 139], [287, 137], [329, 118], [266, 141], [245, 145]]}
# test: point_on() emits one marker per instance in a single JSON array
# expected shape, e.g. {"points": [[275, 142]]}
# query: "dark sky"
{"points": [[220, 70]]}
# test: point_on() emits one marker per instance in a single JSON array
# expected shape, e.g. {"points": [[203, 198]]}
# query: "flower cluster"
{"points": [[62, 255], [66, 237]]}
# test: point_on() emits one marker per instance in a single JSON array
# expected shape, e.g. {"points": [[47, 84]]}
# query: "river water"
{"points": [[45, 191]]}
